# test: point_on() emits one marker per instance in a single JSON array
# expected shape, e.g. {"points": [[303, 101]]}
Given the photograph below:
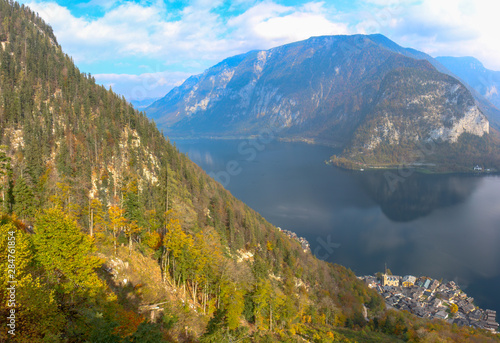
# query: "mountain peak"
{"points": [[325, 89], [469, 61]]}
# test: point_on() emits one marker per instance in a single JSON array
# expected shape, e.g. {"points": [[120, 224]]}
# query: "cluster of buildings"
{"points": [[429, 298], [478, 168], [302, 241]]}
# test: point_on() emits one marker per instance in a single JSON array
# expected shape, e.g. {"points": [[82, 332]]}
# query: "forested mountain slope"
{"points": [[120, 238]]}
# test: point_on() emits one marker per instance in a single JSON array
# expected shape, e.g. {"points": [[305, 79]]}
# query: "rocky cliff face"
{"points": [[410, 109]]}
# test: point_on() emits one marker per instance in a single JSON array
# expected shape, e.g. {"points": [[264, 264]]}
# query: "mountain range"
{"points": [[364, 93], [486, 82]]}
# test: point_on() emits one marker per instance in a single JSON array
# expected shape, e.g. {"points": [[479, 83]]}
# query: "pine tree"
{"points": [[65, 253], [23, 199], [5, 171]]}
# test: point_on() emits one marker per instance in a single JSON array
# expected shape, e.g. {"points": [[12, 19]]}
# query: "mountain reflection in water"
{"points": [[406, 199]]}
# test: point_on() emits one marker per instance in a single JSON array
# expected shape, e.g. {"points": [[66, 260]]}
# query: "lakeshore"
{"points": [[429, 298]]}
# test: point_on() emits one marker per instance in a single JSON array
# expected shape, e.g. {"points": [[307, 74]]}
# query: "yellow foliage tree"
{"points": [[153, 240], [97, 217], [233, 302], [177, 245], [131, 228], [117, 221], [62, 199], [261, 298]]}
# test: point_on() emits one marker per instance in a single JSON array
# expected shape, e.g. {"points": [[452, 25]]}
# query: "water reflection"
{"points": [[406, 199]]}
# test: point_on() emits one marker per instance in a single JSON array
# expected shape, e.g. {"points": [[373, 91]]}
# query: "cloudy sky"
{"points": [[144, 48]]}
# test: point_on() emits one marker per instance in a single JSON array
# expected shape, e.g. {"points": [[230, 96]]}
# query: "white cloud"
{"points": [[268, 24], [124, 30], [444, 27], [143, 86], [197, 33]]}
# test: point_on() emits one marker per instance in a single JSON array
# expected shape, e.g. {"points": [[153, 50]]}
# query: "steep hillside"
{"points": [[74, 151], [116, 237], [329, 90]]}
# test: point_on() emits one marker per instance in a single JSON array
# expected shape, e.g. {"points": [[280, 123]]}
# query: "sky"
{"points": [[144, 48]]}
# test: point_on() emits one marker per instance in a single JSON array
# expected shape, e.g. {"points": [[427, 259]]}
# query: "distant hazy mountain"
{"points": [[363, 92], [143, 103], [472, 71]]}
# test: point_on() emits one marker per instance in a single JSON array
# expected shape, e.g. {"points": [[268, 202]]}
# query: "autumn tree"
{"points": [[97, 216], [131, 228], [232, 299], [262, 309], [62, 198], [153, 220], [177, 244], [117, 221]]}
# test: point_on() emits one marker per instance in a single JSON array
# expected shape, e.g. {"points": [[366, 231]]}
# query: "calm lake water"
{"points": [[442, 226]]}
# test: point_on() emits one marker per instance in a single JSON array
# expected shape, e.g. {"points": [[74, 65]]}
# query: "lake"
{"points": [[442, 226]]}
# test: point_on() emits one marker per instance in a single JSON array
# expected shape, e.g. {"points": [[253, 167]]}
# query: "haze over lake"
{"points": [[443, 226]]}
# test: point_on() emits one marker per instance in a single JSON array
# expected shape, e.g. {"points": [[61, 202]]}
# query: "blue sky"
{"points": [[144, 48]]}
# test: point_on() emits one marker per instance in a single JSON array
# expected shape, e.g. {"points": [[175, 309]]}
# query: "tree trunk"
{"points": [[205, 299], [218, 297], [195, 288], [166, 205], [95, 145], [114, 237], [271, 318], [130, 244], [91, 222], [162, 265]]}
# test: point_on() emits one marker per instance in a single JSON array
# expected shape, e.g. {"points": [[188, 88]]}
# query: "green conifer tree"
{"points": [[23, 199]]}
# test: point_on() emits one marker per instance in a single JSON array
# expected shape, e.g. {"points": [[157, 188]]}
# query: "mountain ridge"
{"points": [[486, 82], [320, 89]]}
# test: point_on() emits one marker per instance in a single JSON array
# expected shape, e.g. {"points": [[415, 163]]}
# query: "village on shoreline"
{"points": [[424, 297], [429, 298]]}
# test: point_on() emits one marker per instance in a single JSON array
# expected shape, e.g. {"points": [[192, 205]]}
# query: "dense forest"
{"points": [[112, 235]]}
